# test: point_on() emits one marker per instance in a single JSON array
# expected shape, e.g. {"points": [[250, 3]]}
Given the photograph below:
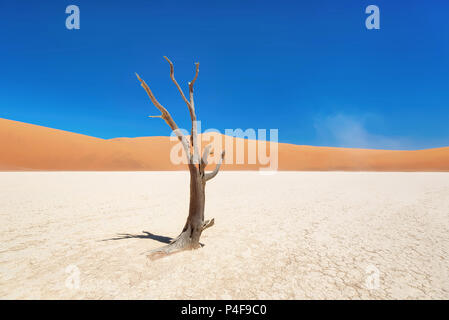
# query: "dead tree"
{"points": [[190, 236]]}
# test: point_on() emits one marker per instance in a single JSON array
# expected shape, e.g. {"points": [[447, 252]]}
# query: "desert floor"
{"points": [[291, 235]]}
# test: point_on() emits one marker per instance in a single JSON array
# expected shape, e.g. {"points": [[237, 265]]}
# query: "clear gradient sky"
{"points": [[309, 68]]}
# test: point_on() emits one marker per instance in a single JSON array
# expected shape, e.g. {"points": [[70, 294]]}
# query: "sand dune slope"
{"points": [[30, 147]]}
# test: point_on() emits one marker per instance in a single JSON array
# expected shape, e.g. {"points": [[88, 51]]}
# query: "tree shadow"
{"points": [[144, 235]]}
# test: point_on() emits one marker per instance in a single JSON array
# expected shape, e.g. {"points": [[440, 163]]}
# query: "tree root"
{"points": [[180, 243]]}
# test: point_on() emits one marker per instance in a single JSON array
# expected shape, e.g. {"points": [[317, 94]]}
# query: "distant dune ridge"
{"points": [[27, 147]]}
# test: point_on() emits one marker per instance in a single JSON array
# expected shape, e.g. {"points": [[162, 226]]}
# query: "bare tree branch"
{"points": [[172, 76], [212, 174], [190, 105], [208, 223], [206, 154], [184, 142], [167, 117], [195, 224], [191, 83], [194, 133]]}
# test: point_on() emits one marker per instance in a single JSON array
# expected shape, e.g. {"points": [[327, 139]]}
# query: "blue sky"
{"points": [[308, 68]]}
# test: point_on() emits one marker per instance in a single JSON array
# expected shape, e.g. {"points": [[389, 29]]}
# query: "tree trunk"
{"points": [[195, 224], [195, 219]]}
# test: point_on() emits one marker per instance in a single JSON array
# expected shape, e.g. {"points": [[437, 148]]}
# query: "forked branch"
{"points": [[212, 174], [195, 224], [190, 106], [206, 153]]}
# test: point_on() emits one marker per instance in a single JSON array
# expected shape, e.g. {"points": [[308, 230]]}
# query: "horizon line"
{"points": [[244, 138]]}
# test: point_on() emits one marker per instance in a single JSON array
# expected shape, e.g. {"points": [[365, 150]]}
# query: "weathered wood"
{"points": [[212, 174], [195, 224]]}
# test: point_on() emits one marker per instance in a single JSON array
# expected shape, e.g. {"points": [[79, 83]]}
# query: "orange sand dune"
{"points": [[30, 147]]}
